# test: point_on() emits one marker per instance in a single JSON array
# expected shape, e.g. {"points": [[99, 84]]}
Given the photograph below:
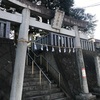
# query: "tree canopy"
{"points": [[66, 6], [79, 13]]}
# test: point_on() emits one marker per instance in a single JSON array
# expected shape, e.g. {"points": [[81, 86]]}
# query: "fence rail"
{"points": [[61, 41]]}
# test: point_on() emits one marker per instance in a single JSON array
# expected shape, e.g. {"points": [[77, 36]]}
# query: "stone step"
{"points": [[54, 96], [32, 90], [30, 69], [32, 75], [33, 79], [37, 87], [40, 92], [35, 74], [35, 98], [34, 83], [64, 98], [30, 72]]}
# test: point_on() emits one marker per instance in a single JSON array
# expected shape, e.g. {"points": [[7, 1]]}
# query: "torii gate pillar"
{"points": [[85, 95], [18, 75], [97, 66]]}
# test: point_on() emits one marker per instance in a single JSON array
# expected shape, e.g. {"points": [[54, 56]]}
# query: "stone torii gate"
{"points": [[25, 20]]}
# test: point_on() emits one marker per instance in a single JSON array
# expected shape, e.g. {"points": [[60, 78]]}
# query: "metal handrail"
{"points": [[54, 69], [50, 64], [40, 69], [33, 53], [46, 61], [43, 73], [59, 75], [33, 62]]}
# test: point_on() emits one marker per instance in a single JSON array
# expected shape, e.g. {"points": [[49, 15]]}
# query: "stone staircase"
{"points": [[33, 90]]}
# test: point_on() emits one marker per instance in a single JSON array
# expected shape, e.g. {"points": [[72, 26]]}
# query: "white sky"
{"points": [[92, 10]]}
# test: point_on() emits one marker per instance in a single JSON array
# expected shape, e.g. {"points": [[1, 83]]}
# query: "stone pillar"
{"points": [[97, 66], [18, 75], [85, 95]]}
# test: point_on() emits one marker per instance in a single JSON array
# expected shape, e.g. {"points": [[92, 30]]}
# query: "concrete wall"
{"points": [[50, 57], [54, 62], [65, 63], [7, 55]]}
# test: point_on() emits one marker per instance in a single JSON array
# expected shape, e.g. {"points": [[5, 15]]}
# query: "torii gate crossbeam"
{"points": [[18, 19]]}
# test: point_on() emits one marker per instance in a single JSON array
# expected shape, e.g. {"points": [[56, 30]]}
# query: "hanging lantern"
{"points": [[69, 50], [35, 47], [47, 48], [41, 47], [64, 50], [59, 49], [53, 49]]}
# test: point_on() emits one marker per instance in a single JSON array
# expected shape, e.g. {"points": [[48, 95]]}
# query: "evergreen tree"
{"points": [[66, 6], [79, 13]]}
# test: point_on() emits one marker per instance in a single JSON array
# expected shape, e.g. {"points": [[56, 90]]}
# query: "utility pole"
{"points": [[18, 75], [85, 95]]}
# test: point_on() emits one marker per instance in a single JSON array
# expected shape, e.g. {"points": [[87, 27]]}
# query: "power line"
{"points": [[97, 4]]}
